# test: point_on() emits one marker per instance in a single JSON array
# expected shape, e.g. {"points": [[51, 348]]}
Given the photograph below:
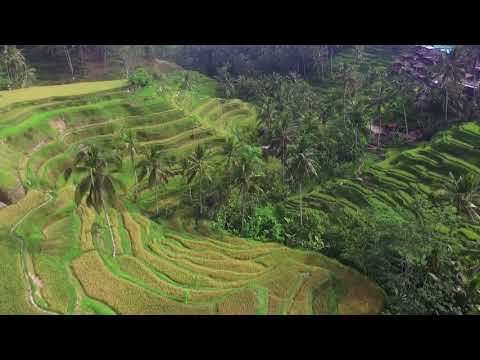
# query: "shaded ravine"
{"points": [[29, 277]]}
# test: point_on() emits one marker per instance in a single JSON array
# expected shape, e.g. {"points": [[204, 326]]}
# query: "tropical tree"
{"points": [[302, 164], [184, 167], [198, 167], [231, 147], [267, 111], [404, 95], [283, 133], [319, 60], [447, 74], [156, 172], [465, 193], [98, 184], [247, 170], [139, 78], [185, 88], [357, 115], [14, 65], [348, 80], [227, 82], [67, 49], [131, 147], [359, 52], [130, 55], [380, 88]]}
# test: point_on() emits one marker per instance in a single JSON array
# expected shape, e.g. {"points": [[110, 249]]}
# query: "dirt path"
{"points": [[59, 125], [29, 276], [292, 292], [22, 166]]}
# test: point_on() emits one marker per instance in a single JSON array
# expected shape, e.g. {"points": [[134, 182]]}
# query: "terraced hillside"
{"points": [[57, 258], [394, 181]]}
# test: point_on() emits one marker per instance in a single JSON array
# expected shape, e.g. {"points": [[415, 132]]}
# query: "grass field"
{"points": [[161, 267], [44, 92]]}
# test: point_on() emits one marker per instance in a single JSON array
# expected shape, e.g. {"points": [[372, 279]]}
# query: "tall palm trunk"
{"points": [[301, 203], [69, 60], [81, 54], [405, 119], [114, 247], [105, 56], [135, 195], [200, 198], [379, 132], [303, 64], [446, 104], [379, 116], [156, 197], [9, 75], [331, 65], [243, 209], [474, 83]]}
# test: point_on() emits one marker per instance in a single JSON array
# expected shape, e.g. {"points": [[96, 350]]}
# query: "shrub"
{"points": [[310, 232], [421, 269], [3, 82], [264, 225], [139, 78]]}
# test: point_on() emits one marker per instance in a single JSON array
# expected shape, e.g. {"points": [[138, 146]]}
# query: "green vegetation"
{"points": [[302, 180], [139, 78], [139, 265]]}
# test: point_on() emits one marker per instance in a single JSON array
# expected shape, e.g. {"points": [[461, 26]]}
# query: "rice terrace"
{"points": [[299, 180]]}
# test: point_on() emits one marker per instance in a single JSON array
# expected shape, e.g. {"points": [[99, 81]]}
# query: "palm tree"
{"points": [[15, 66], [247, 170], [226, 79], [357, 109], [267, 111], [319, 58], [184, 166], [157, 173], [465, 193], [330, 52], [231, 147], [69, 58], [359, 52], [198, 167], [447, 73], [283, 133], [302, 164], [57, 50], [98, 184], [29, 76], [404, 92], [186, 87], [130, 146], [349, 79]]}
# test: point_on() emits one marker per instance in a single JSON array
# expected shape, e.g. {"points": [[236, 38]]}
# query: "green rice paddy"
{"points": [[162, 267], [395, 181]]}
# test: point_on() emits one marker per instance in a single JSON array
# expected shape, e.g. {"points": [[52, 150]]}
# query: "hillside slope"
{"points": [[395, 181], [58, 257]]}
